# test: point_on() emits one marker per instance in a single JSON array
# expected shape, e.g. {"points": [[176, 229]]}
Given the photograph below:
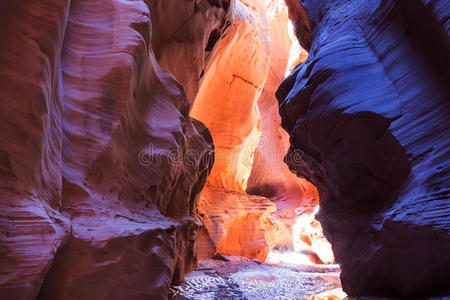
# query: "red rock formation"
{"points": [[31, 225], [101, 165], [97, 196], [227, 104], [186, 35], [302, 26], [270, 176], [368, 120], [237, 103]]}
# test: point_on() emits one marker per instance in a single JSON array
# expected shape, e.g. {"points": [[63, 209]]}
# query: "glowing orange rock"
{"points": [[308, 236], [270, 176], [236, 222], [236, 102], [333, 294]]}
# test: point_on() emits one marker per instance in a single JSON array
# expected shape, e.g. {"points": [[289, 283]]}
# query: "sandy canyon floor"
{"points": [[242, 278]]}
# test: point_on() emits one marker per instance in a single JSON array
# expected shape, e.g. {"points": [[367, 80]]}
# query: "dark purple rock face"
{"points": [[368, 116]]}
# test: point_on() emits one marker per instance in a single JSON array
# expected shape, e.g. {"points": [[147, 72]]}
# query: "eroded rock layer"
{"points": [[186, 36], [270, 176], [251, 200], [367, 115], [227, 104], [97, 194]]}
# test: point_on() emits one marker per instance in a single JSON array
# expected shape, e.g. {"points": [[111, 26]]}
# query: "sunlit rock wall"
{"points": [[270, 176], [97, 194], [251, 200], [236, 222], [368, 114]]}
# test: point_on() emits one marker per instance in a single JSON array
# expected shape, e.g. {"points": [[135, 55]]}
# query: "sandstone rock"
{"points": [[238, 224], [270, 177], [250, 200], [98, 191], [367, 115], [186, 36], [302, 26], [220, 257], [227, 104], [142, 263], [31, 224]]}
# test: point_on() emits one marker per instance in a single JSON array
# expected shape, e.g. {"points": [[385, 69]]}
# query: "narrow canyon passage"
{"points": [[224, 149], [252, 205], [251, 199]]}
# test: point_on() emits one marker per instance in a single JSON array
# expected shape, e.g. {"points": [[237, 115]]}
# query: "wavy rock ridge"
{"points": [[368, 115], [250, 201], [186, 36], [94, 203], [227, 104], [102, 162]]}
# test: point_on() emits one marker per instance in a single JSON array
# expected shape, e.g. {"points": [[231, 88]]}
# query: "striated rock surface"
{"points": [[270, 176], [97, 190], [251, 201], [227, 104], [367, 115], [31, 225], [186, 35]]}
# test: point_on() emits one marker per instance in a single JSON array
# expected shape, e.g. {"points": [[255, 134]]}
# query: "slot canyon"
{"points": [[224, 149]]}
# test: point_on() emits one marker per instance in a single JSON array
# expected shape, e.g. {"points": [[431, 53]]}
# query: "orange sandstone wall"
{"points": [[236, 223], [249, 202], [270, 176]]}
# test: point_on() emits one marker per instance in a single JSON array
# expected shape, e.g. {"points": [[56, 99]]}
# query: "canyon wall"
{"points": [[98, 192], [368, 118], [251, 200], [270, 176], [186, 35], [235, 222], [103, 161]]}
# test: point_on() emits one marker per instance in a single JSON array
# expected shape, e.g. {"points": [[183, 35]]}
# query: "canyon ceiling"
{"points": [[140, 136]]}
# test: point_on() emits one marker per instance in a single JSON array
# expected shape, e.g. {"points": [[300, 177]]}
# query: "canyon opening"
{"points": [[252, 205], [224, 149]]}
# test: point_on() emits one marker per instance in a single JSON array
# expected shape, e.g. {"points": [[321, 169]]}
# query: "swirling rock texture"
{"points": [[227, 104], [186, 35], [251, 200], [270, 176], [368, 112], [97, 199], [31, 225]]}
